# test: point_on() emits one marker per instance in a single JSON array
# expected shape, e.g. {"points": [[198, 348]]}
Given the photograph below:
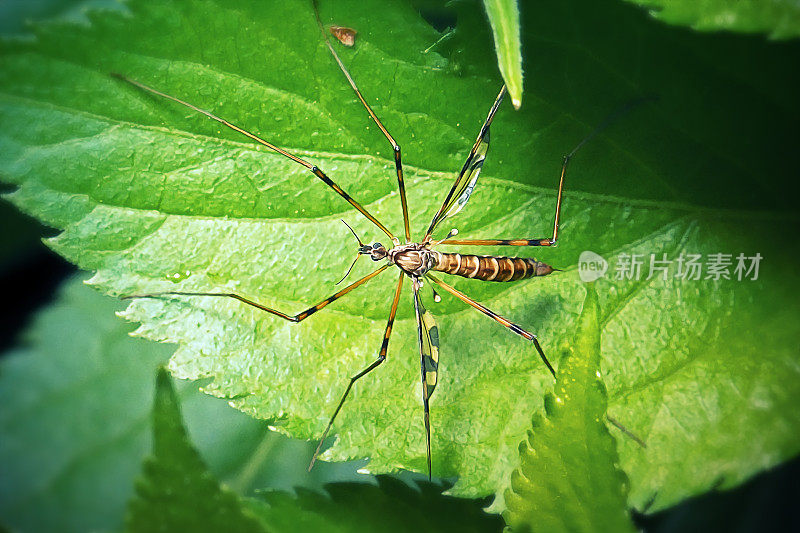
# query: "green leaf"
{"points": [[76, 400], [390, 506], [779, 19], [176, 491], [569, 477], [504, 19], [154, 198]]}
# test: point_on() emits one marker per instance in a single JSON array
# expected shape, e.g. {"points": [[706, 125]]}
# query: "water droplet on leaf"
{"points": [[177, 277]]}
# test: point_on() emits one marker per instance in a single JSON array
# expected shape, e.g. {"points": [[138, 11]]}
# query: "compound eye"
{"points": [[376, 245]]}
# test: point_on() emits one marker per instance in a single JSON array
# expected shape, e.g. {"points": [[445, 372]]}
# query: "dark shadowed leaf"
{"points": [[177, 493], [76, 396], [779, 19]]}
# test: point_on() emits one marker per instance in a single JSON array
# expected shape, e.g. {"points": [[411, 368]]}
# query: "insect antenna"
{"points": [[353, 232], [349, 269], [361, 247]]}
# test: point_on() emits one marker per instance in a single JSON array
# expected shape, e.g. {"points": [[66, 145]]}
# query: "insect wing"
{"points": [[462, 189], [467, 179], [428, 345]]}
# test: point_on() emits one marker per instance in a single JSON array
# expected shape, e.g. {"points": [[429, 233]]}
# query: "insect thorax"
{"points": [[414, 258]]}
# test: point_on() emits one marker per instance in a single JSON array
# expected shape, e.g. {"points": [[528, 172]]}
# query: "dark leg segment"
{"points": [[395, 147], [625, 431], [381, 358], [491, 314], [291, 318], [313, 168]]}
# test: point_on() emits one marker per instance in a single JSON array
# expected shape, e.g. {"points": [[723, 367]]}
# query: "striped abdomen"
{"points": [[488, 267]]}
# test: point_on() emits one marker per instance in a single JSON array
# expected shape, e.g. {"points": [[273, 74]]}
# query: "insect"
{"points": [[346, 36], [415, 260]]}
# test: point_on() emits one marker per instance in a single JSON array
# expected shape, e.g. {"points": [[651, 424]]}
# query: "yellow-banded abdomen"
{"points": [[489, 267]]}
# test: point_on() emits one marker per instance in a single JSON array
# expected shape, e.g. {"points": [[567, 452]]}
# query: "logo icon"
{"points": [[591, 266]]}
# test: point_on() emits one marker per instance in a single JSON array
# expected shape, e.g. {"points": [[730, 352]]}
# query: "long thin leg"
{"points": [[381, 358], [313, 168], [551, 241], [499, 242], [291, 318], [398, 164], [625, 431], [491, 314]]}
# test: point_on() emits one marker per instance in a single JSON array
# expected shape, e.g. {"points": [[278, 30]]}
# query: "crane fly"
{"points": [[416, 260]]}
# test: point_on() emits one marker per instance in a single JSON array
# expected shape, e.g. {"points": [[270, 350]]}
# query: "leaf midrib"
{"points": [[423, 174]]}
